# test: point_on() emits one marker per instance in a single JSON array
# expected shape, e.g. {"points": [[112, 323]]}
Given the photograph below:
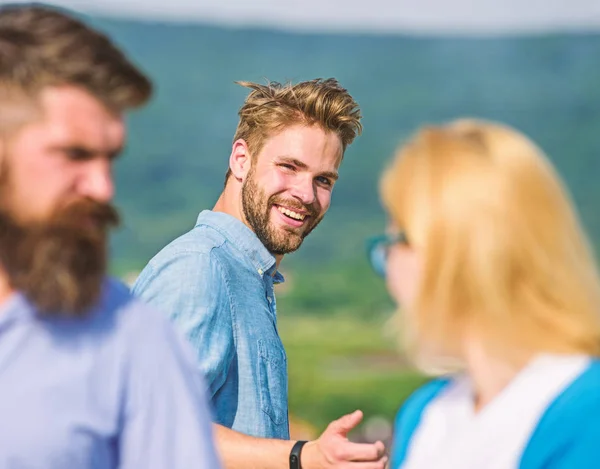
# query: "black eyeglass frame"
{"points": [[378, 247]]}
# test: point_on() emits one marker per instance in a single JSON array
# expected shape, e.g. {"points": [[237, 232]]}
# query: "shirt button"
{"points": [[269, 299], [260, 271]]}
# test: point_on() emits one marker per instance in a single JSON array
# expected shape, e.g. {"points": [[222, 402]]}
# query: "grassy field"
{"points": [[340, 364]]}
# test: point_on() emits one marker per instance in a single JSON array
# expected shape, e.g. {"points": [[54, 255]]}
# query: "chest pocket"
{"points": [[272, 371]]}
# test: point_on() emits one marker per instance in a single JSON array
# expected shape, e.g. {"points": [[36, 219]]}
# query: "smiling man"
{"points": [[216, 281]]}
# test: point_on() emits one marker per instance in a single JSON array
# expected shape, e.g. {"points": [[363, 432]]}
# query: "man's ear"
{"points": [[240, 159], [3, 154]]}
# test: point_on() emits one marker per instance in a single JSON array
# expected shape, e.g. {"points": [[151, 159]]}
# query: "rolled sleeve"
{"points": [[190, 287]]}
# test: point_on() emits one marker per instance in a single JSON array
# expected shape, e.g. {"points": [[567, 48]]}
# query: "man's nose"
{"points": [[304, 190], [96, 181]]}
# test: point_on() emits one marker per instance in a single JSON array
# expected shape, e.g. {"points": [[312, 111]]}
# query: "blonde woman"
{"points": [[499, 290]]}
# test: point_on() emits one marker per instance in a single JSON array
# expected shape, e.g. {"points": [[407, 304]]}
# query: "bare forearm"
{"points": [[332, 450], [239, 451]]}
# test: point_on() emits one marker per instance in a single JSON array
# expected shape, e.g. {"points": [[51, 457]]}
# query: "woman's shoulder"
{"points": [[409, 416], [580, 400], [418, 400], [567, 435]]}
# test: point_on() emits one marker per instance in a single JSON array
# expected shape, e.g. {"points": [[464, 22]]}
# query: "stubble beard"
{"points": [[257, 209]]}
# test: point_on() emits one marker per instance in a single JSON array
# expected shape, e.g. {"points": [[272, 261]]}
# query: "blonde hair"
{"points": [[271, 108], [504, 255]]}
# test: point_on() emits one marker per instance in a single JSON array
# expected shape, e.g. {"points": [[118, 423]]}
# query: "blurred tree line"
{"points": [[178, 150]]}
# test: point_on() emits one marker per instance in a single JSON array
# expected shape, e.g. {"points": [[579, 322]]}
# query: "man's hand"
{"points": [[333, 450]]}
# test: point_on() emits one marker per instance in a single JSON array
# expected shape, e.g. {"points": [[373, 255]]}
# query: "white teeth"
{"points": [[289, 213]]}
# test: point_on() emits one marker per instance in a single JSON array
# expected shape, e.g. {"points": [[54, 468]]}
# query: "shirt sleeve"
{"points": [[191, 289], [166, 421]]}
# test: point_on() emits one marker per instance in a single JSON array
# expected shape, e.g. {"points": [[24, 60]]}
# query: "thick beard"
{"points": [[59, 264], [257, 208]]}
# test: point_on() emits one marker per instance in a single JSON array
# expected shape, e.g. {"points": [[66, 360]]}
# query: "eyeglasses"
{"points": [[378, 249]]}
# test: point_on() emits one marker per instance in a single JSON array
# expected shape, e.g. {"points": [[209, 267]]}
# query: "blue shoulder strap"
{"points": [[559, 441], [409, 416]]}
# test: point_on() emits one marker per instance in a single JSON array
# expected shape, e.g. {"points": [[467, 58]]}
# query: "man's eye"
{"points": [[325, 181], [287, 166], [78, 154]]}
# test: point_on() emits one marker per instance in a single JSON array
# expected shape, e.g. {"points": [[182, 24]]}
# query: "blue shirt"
{"points": [[566, 437], [115, 389], [216, 283]]}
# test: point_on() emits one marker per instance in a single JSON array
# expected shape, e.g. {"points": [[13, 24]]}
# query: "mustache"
{"points": [[294, 204], [103, 215]]}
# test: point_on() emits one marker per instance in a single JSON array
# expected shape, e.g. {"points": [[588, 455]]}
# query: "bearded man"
{"points": [[89, 376], [216, 281]]}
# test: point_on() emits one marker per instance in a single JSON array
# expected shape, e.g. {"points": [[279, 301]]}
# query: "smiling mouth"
{"points": [[292, 214]]}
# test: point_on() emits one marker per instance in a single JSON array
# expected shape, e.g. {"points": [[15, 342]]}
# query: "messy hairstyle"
{"points": [[504, 254], [42, 46], [270, 108]]}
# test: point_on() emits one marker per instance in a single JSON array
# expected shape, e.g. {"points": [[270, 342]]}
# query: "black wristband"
{"points": [[295, 455]]}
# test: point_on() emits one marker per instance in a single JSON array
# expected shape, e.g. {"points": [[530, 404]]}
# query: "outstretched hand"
{"points": [[333, 450]]}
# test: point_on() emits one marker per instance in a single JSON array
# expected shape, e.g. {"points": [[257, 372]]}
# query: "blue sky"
{"points": [[465, 16]]}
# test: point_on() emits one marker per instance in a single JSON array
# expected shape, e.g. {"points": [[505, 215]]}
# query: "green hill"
{"points": [[547, 86]]}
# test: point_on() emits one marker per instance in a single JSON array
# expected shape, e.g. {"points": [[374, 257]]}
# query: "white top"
{"points": [[452, 435]]}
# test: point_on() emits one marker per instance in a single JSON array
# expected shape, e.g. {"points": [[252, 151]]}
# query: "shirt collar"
{"points": [[243, 238], [15, 307]]}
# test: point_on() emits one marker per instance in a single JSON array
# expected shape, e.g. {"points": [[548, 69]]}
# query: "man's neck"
{"points": [[229, 202], [6, 291]]}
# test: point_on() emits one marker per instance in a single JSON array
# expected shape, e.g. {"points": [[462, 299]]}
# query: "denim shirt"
{"points": [[215, 282]]}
